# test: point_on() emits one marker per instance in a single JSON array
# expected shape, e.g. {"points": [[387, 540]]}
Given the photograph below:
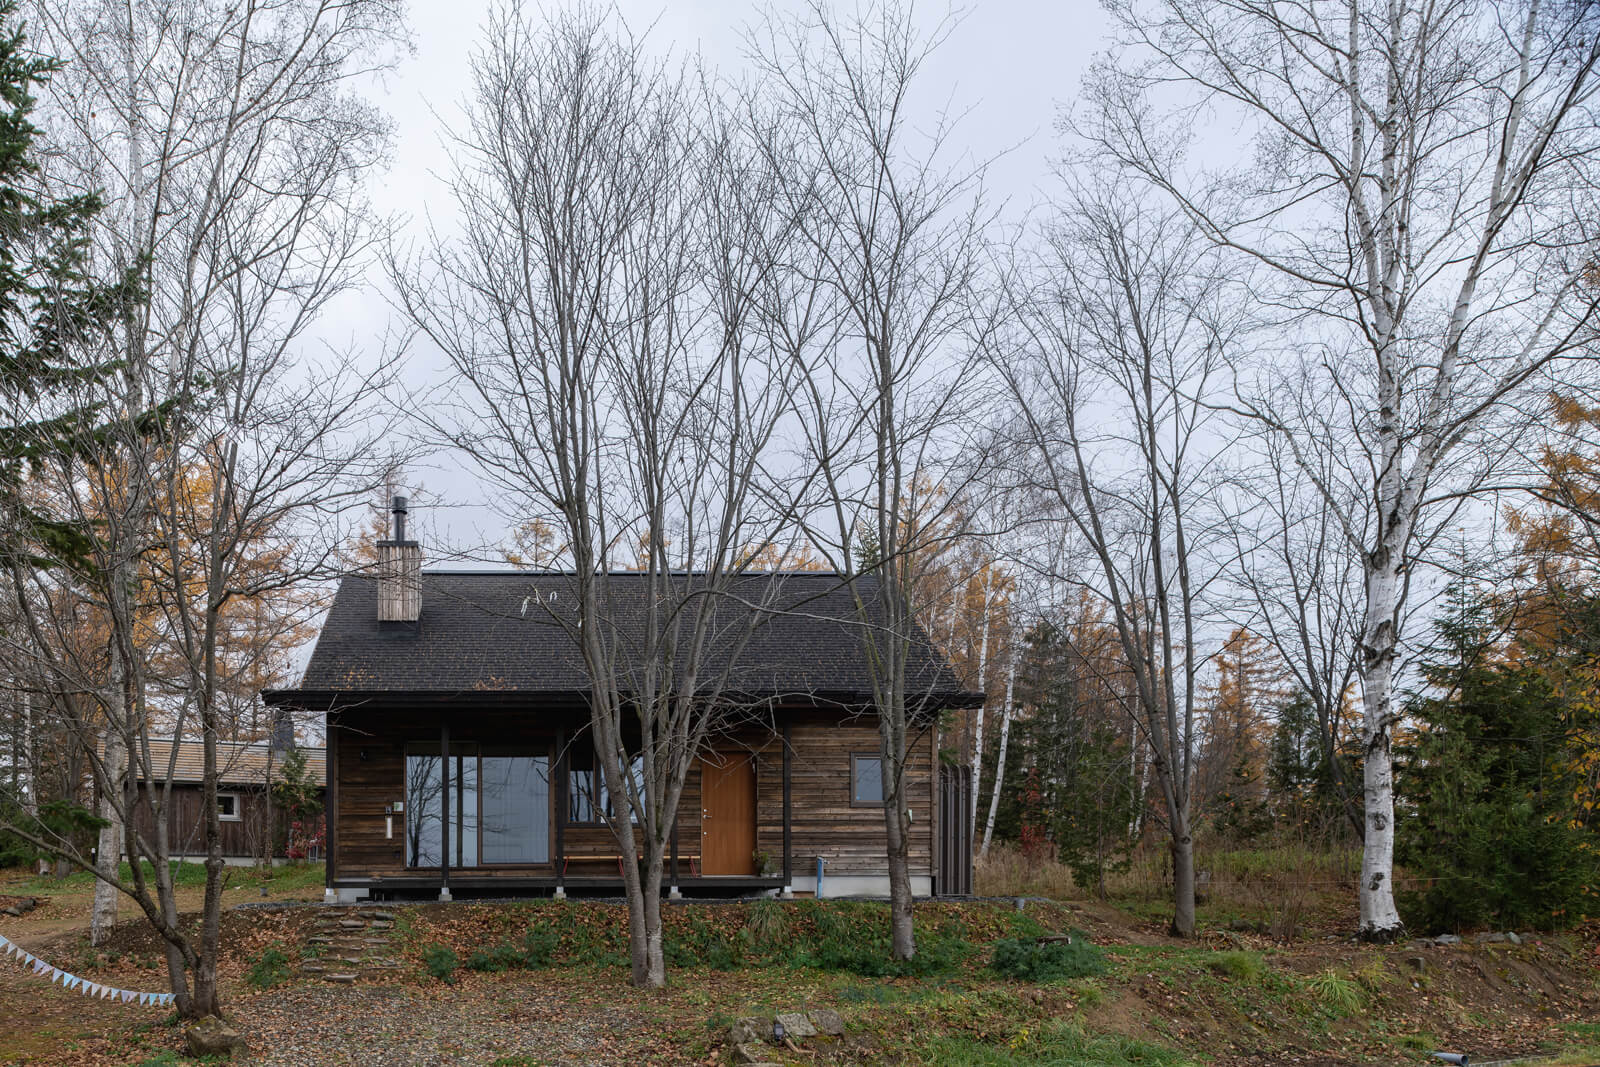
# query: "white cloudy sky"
{"points": [[1009, 66]]}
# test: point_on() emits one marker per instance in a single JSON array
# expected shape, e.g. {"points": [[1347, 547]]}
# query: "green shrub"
{"points": [[502, 957], [1030, 960], [440, 961], [539, 947], [268, 969]]}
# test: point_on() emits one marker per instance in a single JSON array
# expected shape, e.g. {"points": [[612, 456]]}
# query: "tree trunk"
{"points": [[1000, 756], [982, 711], [108, 853], [1182, 877], [655, 960], [1380, 919], [902, 932]]}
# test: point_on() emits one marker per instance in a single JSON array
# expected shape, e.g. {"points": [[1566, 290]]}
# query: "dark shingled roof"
{"points": [[499, 632]]}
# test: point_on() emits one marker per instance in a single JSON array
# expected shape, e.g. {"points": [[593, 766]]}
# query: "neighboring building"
{"points": [[457, 740], [247, 817]]}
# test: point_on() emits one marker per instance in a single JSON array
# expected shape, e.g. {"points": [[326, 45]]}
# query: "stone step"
{"points": [[352, 924], [341, 979], [387, 916]]}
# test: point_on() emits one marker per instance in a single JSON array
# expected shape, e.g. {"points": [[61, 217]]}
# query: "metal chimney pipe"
{"points": [[399, 511]]}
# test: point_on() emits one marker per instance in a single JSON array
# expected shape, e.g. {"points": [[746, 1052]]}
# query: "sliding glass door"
{"points": [[499, 807]]}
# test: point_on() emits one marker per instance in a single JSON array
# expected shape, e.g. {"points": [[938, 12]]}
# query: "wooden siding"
{"points": [[367, 764], [244, 838]]}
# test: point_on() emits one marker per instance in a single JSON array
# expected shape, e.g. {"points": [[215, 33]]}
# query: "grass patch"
{"points": [[191, 876], [1053, 961], [1053, 1043], [1240, 966], [1339, 994]]}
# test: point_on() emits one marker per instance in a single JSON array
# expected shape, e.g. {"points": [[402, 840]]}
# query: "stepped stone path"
{"points": [[349, 944]]}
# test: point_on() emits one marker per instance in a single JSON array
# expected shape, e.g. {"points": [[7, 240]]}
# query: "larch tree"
{"points": [[1416, 214]]}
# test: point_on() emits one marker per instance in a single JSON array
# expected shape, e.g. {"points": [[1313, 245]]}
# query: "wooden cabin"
{"points": [[459, 758], [248, 820]]}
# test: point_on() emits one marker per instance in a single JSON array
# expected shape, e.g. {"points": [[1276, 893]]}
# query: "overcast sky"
{"points": [[1008, 66]]}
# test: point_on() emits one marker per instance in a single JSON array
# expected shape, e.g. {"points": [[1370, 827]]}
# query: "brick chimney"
{"points": [[399, 572]]}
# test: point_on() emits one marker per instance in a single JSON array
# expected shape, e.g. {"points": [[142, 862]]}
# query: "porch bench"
{"points": [[693, 859]]}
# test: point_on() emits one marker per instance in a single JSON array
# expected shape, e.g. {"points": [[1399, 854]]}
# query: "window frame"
{"points": [[464, 750], [855, 759], [238, 808], [601, 803]]}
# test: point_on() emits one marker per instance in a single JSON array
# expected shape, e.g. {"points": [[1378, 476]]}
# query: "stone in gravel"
{"points": [[213, 1037], [827, 1021], [753, 1054], [796, 1025], [750, 1030], [342, 979], [1513, 938], [15, 913], [1418, 964], [1490, 939], [1447, 939]]}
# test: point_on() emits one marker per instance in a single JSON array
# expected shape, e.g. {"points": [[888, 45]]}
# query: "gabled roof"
{"points": [[508, 632], [239, 763]]}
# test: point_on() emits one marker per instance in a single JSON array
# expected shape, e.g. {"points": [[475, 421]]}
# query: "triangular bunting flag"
{"points": [[126, 996]]}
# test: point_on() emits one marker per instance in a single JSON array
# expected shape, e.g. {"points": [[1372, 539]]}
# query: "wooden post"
{"points": [[330, 763], [674, 879], [444, 811], [788, 810], [562, 811]]}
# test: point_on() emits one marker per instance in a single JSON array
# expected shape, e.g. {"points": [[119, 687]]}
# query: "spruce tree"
{"points": [[52, 313], [1490, 833]]}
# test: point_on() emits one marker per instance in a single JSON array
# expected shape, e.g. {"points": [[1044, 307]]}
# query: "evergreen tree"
{"points": [[1079, 788], [51, 312], [1302, 787], [1491, 827]]}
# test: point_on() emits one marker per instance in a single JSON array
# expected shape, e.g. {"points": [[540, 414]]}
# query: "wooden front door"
{"points": [[727, 814]]}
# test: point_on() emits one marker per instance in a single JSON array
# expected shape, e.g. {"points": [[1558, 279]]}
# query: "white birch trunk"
{"points": [[1000, 757], [1380, 919], [977, 734]]}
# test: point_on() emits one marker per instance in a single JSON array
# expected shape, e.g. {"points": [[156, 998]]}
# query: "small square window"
{"points": [[228, 807], [866, 780]]}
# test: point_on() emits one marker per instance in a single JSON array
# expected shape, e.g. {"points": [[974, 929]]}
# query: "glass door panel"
{"points": [[516, 809]]}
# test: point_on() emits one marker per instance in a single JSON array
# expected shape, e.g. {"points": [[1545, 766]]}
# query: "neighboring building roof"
{"points": [[504, 632], [240, 763]]}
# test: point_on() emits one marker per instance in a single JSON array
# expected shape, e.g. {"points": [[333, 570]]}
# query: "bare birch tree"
{"points": [[890, 244], [598, 314], [1121, 335], [231, 154], [1419, 212]]}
